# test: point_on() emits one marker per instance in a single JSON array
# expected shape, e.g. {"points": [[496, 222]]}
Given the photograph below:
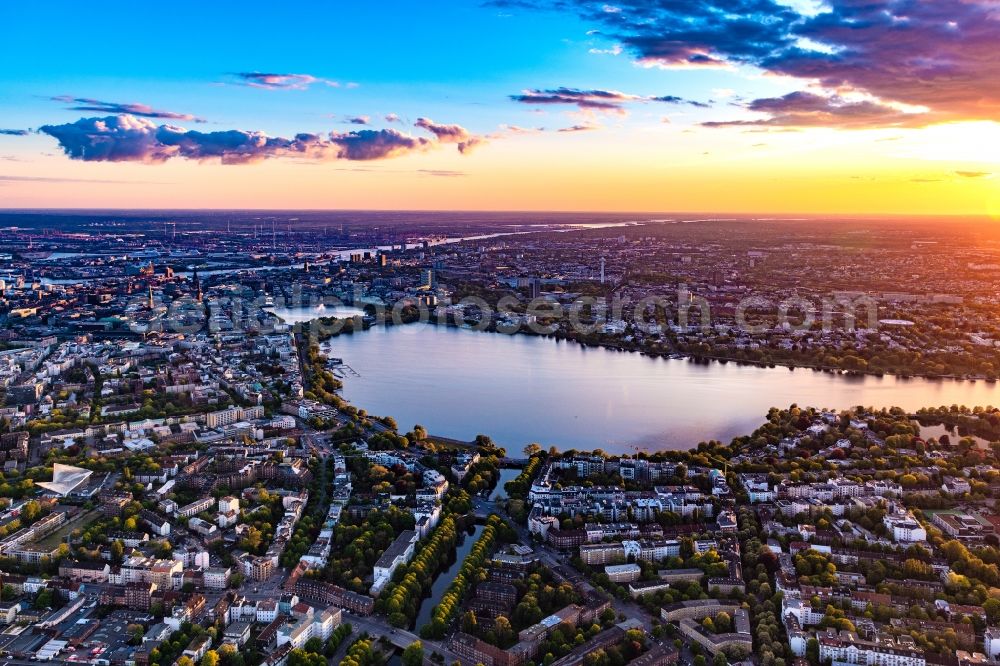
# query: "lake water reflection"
{"points": [[519, 389]]}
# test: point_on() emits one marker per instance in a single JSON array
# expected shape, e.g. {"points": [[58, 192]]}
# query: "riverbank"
{"points": [[783, 363]]}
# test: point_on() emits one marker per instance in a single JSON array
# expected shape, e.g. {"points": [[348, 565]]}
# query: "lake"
{"points": [[520, 389]]}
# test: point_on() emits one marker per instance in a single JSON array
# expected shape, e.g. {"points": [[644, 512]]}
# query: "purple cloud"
{"points": [[591, 100], [674, 99], [610, 101], [275, 81], [805, 109], [359, 120], [580, 128], [933, 56], [126, 138], [135, 109], [451, 134]]}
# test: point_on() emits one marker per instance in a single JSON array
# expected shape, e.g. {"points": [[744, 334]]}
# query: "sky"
{"points": [[743, 106]]}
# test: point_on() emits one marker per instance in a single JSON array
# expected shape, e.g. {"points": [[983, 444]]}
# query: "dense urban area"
{"points": [[183, 481]]}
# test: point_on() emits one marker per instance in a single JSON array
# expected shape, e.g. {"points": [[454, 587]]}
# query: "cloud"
{"points": [[392, 118], [44, 179], [934, 57], [127, 138], [590, 100], [451, 134], [133, 108], [974, 174], [14, 132], [610, 101], [614, 50], [516, 129], [441, 173], [359, 120], [806, 109], [674, 99], [588, 127], [275, 81]]}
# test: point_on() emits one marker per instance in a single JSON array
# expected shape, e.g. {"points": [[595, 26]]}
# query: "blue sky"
{"points": [[454, 62]]}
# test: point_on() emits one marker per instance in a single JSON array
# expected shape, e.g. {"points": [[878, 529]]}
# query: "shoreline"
{"points": [[728, 359]]}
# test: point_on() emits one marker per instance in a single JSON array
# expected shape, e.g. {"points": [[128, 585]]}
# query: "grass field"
{"points": [[57, 537]]}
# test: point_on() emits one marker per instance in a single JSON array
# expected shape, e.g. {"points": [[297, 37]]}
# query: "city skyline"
{"points": [[748, 107]]}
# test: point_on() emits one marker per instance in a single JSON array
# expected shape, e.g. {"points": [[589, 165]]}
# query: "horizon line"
{"points": [[786, 216]]}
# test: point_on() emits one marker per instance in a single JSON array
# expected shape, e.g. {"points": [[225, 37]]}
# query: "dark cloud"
{"points": [[579, 128], [376, 144], [127, 138], [611, 101], [805, 109], [14, 132], [133, 108], [939, 56], [674, 99], [451, 134], [697, 33], [592, 100], [974, 174], [276, 81], [359, 120]]}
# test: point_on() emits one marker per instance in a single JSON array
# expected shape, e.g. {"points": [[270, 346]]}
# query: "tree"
{"points": [[211, 658], [720, 659], [469, 622], [117, 551], [30, 511], [44, 599], [504, 631], [723, 623], [299, 657], [135, 632], [413, 655], [812, 651], [252, 540], [185, 661]]}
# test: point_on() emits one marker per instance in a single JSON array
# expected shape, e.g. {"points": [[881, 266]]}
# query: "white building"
{"points": [[267, 611], [216, 578], [316, 625], [991, 643], [905, 528], [399, 552]]}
